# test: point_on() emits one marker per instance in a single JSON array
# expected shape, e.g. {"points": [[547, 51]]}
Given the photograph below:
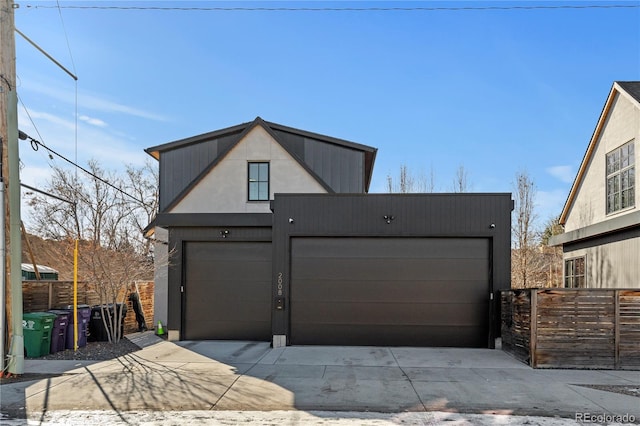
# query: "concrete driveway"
{"points": [[252, 376]]}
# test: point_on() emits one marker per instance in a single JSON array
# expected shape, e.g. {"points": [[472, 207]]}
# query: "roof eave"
{"points": [[615, 88]]}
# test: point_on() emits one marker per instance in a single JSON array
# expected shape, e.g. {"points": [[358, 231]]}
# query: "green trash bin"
{"points": [[37, 328]]}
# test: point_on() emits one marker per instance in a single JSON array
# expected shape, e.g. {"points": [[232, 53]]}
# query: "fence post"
{"points": [[533, 328], [616, 327], [50, 300]]}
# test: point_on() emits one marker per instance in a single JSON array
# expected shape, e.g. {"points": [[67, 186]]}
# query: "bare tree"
{"points": [[409, 182], [525, 238], [107, 217], [461, 180]]}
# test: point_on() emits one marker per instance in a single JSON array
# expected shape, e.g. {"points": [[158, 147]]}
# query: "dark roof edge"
{"points": [[265, 125], [195, 139], [632, 88], [214, 163], [213, 219], [324, 138]]}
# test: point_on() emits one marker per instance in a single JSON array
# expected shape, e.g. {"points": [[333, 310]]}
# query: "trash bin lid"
{"points": [[41, 316]]}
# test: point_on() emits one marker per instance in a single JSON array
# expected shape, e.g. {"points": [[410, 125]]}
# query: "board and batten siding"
{"points": [[621, 126], [224, 188], [179, 167], [610, 261], [408, 215], [342, 168]]}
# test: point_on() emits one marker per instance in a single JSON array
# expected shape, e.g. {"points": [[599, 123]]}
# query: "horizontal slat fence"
{"points": [[40, 296], [572, 328]]}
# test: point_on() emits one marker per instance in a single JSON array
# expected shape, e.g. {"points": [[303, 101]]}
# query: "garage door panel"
{"points": [[232, 271], [227, 290], [219, 252], [232, 330], [391, 269], [396, 291], [381, 313], [451, 336]]}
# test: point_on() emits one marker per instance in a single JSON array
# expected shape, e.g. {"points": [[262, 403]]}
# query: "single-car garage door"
{"points": [[390, 291], [227, 291]]}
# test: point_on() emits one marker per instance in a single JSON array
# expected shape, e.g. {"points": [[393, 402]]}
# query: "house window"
{"points": [[574, 273], [621, 178], [258, 181]]}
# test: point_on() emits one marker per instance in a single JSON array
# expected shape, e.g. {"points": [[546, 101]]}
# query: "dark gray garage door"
{"points": [[227, 291], [390, 291]]}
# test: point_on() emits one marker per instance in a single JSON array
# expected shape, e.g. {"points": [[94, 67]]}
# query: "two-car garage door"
{"points": [[390, 291]]}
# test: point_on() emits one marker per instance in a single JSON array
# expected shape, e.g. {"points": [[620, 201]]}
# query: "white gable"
{"points": [[620, 126], [224, 188]]}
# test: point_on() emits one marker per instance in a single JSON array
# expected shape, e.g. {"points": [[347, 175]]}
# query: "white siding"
{"points": [[613, 265], [621, 126], [224, 189]]}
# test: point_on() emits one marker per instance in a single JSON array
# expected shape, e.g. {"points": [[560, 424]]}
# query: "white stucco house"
{"points": [[601, 218]]}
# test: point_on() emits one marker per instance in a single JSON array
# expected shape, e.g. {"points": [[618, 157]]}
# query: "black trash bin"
{"points": [[97, 329], [84, 314], [59, 331]]}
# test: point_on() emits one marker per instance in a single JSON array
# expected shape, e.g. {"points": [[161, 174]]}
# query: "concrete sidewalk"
{"points": [[252, 376]]}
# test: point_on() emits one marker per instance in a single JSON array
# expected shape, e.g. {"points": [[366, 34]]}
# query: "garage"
{"points": [[227, 290], [390, 291]]}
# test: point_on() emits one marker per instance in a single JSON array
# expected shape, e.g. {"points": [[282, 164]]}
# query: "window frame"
{"points": [[615, 173], [258, 182], [570, 277]]}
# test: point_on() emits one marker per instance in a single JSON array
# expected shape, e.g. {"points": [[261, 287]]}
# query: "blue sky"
{"points": [[496, 91]]}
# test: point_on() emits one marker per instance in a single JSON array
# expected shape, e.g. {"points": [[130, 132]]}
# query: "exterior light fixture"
{"points": [[388, 218], [224, 233]]}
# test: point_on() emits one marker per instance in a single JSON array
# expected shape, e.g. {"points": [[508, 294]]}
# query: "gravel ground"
{"points": [[96, 351]]}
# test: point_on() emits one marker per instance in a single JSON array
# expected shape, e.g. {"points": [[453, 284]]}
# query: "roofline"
{"points": [[154, 151], [615, 89], [324, 138], [257, 122]]}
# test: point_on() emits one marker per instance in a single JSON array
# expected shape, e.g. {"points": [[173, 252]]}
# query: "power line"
{"points": [[24, 185], [36, 143], [342, 9]]}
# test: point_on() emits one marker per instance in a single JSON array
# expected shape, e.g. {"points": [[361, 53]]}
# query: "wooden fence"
{"points": [[572, 328], [39, 296]]}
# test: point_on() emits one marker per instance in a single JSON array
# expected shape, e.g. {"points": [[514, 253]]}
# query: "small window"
{"points": [[574, 273], [621, 178], [258, 181]]}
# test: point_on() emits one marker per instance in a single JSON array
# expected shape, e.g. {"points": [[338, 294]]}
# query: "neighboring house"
{"points": [[601, 219], [271, 235]]}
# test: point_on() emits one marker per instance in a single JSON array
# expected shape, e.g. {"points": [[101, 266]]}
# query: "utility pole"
{"points": [[11, 176]]}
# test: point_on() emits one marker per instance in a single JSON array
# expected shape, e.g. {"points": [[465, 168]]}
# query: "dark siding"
{"points": [[293, 143], [415, 215], [180, 167], [340, 167]]}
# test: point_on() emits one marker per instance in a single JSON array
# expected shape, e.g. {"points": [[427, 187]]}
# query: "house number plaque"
{"points": [[279, 282]]}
